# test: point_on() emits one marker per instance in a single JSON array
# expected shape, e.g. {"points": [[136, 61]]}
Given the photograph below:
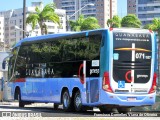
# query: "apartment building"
{"points": [[13, 19], [100, 10], [147, 10], [1, 34], [131, 6]]}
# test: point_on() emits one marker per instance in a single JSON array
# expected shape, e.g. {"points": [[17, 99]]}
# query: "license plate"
{"points": [[131, 99]]}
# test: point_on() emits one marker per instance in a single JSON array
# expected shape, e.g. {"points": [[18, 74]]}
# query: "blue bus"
{"points": [[105, 68]]}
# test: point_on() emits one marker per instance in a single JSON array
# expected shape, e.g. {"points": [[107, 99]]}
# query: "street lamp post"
{"points": [[110, 9], [24, 17], [68, 17], [24, 31]]}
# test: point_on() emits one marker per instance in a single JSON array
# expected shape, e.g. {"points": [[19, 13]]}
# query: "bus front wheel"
{"points": [[66, 101], [21, 103]]}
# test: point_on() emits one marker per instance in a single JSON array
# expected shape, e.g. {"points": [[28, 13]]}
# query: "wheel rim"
{"points": [[78, 101], [65, 99]]}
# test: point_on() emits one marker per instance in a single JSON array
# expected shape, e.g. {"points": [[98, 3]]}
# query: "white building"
{"points": [[1, 34], [100, 10], [147, 10], [14, 18], [3, 77], [131, 6]]}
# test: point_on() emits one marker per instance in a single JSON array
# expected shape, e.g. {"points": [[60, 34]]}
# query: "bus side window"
{"points": [[20, 66], [94, 46]]}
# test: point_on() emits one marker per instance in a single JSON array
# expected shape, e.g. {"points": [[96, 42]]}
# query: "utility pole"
{"points": [[24, 17], [110, 9]]}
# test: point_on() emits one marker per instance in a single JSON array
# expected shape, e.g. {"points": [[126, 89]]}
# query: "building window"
{"points": [[12, 27], [20, 20], [20, 33], [51, 27]]}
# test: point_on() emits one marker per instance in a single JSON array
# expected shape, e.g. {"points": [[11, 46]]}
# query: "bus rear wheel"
{"points": [[66, 100], [78, 101]]}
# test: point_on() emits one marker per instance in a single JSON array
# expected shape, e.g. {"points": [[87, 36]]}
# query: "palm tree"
{"points": [[131, 21], [82, 24], [41, 15], [155, 26], [115, 22]]}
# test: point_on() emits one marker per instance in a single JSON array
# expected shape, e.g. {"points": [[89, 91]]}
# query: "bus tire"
{"points": [[78, 102], [21, 103], [105, 109], [66, 100], [124, 109], [55, 106]]}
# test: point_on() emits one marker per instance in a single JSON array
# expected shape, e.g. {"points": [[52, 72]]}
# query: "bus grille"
{"points": [[125, 65]]}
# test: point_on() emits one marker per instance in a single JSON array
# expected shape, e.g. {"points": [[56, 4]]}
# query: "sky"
{"points": [[15, 4]]}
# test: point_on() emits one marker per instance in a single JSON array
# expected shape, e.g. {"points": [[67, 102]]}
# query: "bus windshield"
{"points": [[132, 57]]}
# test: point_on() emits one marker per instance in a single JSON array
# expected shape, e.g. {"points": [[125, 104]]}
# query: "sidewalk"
{"points": [[8, 103], [15, 103]]}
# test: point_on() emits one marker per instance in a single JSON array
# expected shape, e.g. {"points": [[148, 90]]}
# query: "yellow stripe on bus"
{"points": [[136, 49]]}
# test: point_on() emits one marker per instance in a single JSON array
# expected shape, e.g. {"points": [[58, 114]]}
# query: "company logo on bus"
{"points": [[135, 35]]}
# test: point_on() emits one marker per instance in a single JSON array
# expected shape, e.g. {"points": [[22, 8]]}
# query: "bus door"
{"points": [[131, 62], [92, 83]]}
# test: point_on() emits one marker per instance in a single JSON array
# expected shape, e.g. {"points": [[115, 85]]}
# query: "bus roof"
{"points": [[43, 37], [40, 38]]}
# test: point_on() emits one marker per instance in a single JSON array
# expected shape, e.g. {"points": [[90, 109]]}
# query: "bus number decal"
{"points": [[140, 56]]}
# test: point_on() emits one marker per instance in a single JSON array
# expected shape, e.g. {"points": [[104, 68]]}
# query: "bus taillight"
{"points": [[106, 83], [153, 87]]}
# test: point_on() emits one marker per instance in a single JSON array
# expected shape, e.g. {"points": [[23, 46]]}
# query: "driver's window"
{"points": [[11, 64]]}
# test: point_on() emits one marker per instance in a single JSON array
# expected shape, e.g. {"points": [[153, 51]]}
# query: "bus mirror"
{"points": [[4, 65]]}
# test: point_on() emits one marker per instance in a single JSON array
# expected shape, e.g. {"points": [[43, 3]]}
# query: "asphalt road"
{"points": [[46, 110]]}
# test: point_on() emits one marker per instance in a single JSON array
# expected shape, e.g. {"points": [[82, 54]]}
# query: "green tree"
{"points": [[155, 26], [76, 25], [131, 21], [82, 24], [41, 15], [115, 22], [90, 23]]}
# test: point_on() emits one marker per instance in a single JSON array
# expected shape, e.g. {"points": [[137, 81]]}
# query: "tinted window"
{"points": [[57, 58]]}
